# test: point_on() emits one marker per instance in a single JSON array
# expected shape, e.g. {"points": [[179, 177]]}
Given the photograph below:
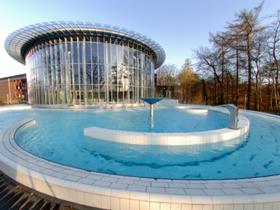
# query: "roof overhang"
{"points": [[18, 42]]}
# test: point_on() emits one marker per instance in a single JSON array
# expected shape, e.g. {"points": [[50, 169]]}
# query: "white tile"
{"points": [[109, 179], [142, 196], [248, 206], [251, 190], [270, 189], [193, 185], [185, 199], [134, 204], [160, 198], [160, 184], [197, 207], [233, 191], [194, 192], [196, 199], [244, 199], [230, 185], [125, 181], [186, 207], [258, 206], [238, 207], [101, 190], [213, 185], [208, 207], [142, 183], [67, 172], [115, 203], [105, 202], [72, 178], [165, 206], [81, 174], [93, 177], [175, 206], [228, 207], [247, 184], [144, 205], [124, 204], [147, 179], [137, 188], [120, 193], [86, 181], [155, 190], [102, 184], [276, 206], [175, 191], [119, 186], [97, 201], [218, 207], [268, 206], [154, 206], [177, 185], [214, 192]]}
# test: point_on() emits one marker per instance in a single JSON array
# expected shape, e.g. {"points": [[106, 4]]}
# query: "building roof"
{"points": [[18, 42], [18, 76]]}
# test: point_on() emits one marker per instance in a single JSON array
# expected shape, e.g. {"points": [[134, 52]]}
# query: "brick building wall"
{"points": [[13, 89]]}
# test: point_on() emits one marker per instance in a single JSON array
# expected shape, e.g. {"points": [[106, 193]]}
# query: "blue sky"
{"points": [[179, 26]]}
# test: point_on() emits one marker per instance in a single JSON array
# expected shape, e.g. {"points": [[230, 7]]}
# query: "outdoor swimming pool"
{"points": [[57, 136]]}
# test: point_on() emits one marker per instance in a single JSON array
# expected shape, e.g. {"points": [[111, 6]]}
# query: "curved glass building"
{"points": [[85, 64]]}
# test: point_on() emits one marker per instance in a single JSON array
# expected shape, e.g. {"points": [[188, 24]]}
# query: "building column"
{"points": [[9, 88]]}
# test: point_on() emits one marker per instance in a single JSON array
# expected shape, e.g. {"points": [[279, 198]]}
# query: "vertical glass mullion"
{"points": [[117, 68], [128, 72], [78, 69], [67, 72], [91, 68], [98, 72], [62, 92], [52, 71], [56, 73], [35, 76], [47, 71], [142, 75], [73, 71], [106, 69], [40, 80], [152, 78], [84, 71]]}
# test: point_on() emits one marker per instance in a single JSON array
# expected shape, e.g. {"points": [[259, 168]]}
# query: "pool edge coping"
{"points": [[28, 170]]}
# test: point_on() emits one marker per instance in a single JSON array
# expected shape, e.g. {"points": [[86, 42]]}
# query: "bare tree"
{"points": [[166, 80], [208, 65], [247, 26], [274, 45]]}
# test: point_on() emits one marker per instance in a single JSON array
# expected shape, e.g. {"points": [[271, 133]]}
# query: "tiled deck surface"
{"points": [[120, 192]]}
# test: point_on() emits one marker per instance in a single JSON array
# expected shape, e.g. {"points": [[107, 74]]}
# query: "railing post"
{"points": [[233, 113]]}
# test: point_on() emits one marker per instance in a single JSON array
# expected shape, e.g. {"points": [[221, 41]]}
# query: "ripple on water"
{"points": [[58, 136]]}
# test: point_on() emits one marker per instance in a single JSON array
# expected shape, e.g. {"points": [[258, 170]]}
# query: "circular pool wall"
{"points": [[106, 191]]}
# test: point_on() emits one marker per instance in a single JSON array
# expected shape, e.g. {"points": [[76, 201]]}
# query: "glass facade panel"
{"points": [[89, 70]]}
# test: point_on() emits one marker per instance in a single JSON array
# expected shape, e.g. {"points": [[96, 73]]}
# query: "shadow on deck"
{"points": [[15, 196]]}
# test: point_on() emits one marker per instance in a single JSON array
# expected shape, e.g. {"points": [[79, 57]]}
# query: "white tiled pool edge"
{"points": [[120, 192], [188, 138]]}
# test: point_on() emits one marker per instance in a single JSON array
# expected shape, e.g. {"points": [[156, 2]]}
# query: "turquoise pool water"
{"points": [[58, 136]]}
